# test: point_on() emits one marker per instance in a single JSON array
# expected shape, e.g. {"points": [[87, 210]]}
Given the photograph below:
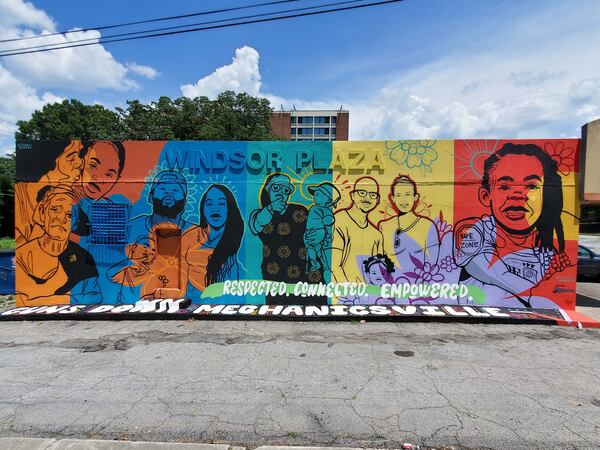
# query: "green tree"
{"points": [[237, 117], [230, 117], [70, 119], [7, 195]]}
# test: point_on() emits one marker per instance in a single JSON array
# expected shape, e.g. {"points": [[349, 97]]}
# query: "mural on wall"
{"points": [[423, 222]]}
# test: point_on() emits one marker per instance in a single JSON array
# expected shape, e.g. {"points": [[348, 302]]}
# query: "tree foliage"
{"points": [[70, 119], [7, 192], [230, 117]]}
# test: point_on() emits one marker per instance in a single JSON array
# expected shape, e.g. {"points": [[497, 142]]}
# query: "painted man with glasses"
{"points": [[280, 225], [355, 238]]}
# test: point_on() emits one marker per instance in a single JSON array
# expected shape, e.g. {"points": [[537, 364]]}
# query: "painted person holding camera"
{"points": [[280, 225]]}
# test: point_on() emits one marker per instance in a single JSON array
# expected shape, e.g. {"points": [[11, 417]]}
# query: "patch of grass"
{"points": [[7, 243]]}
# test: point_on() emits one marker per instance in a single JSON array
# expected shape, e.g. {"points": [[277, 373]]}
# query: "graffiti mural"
{"points": [[463, 223]]}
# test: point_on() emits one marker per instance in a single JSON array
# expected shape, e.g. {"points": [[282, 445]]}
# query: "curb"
{"points": [[24, 443], [21, 443]]}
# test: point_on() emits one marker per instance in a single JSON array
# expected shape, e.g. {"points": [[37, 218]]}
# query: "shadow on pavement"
{"points": [[583, 300]]}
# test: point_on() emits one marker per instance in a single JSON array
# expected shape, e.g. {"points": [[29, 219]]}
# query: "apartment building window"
{"points": [[333, 119], [293, 120], [321, 119], [305, 120], [305, 131], [293, 132], [321, 131]]}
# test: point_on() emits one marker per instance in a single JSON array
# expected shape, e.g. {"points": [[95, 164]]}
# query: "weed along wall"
{"points": [[446, 227]]}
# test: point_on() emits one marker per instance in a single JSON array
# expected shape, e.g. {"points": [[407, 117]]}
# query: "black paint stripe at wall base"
{"points": [[405, 313]]}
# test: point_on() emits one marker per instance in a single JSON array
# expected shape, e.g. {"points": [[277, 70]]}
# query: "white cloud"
{"points": [[18, 102], [80, 68], [25, 79], [533, 82], [144, 71], [17, 12], [242, 75]]}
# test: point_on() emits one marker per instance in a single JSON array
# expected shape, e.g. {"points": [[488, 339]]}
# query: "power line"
{"points": [[160, 19], [246, 22], [57, 46]]}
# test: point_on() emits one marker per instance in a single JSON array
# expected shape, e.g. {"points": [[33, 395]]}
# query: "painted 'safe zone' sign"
{"points": [[469, 223]]}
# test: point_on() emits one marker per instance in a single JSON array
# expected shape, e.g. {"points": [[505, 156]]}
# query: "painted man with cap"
{"points": [[319, 226], [167, 197]]}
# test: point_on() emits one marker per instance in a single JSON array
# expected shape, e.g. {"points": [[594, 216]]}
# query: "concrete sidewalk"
{"points": [[588, 299], [342, 384], [16, 443], [19, 443]]}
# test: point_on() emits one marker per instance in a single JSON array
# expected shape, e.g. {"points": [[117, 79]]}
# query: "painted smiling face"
{"points": [[516, 192], [215, 208], [57, 217], [100, 170], [404, 197]]}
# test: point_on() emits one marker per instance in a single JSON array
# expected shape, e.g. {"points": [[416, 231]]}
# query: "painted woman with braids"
{"points": [[210, 249], [521, 242]]}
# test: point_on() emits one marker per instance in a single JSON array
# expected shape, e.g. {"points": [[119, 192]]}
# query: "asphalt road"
{"points": [[339, 384]]}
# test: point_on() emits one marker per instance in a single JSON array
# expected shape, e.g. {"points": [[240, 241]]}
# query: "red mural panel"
{"points": [[515, 218]]}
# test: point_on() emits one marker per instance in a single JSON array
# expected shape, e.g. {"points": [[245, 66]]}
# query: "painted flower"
{"points": [[283, 229], [562, 155], [268, 228], [293, 272], [284, 251], [412, 154], [302, 252], [425, 272], [314, 276], [299, 216], [272, 268], [447, 264]]}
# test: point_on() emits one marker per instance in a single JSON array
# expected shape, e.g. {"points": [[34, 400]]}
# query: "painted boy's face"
{"points": [[100, 170], [404, 197], [375, 275], [516, 192], [322, 199]]}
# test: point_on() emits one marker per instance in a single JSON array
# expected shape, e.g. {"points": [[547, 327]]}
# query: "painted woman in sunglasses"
{"points": [[280, 225]]}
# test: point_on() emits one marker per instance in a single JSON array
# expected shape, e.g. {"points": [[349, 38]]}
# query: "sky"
{"points": [[408, 70]]}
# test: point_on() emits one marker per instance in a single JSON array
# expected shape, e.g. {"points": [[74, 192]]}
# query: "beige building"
{"points": [[590, 163]]}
